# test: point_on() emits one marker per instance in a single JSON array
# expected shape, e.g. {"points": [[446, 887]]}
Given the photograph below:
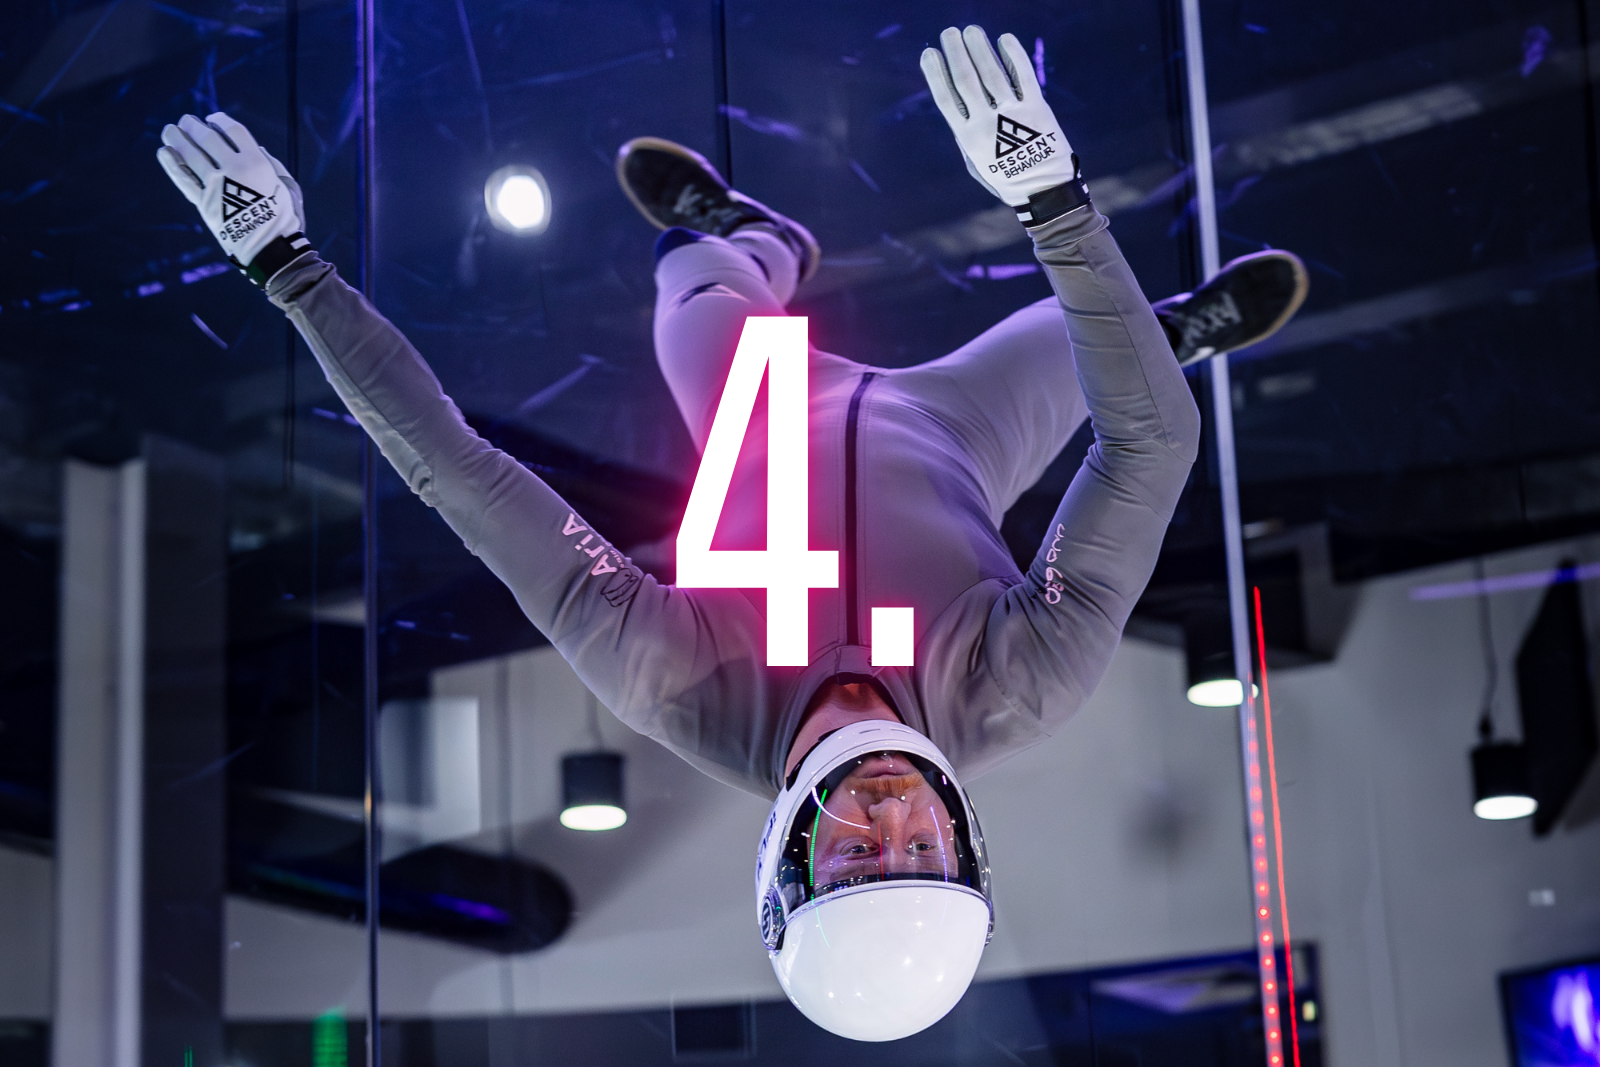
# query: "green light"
{"points": [[811, 861], [330, 1043], [188, 1056]]}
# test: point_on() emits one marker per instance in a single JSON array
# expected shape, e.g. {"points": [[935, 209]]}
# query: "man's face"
{"points": [[883, 818]]}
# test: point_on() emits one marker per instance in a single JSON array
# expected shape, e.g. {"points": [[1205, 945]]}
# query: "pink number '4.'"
{"points": [[787, 568]]}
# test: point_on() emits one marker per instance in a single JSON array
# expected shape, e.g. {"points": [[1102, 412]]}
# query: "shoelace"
{"points": [[1225, 312]]}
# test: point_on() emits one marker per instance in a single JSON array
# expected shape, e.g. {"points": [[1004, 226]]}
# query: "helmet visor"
{"points": [[877, 817]]}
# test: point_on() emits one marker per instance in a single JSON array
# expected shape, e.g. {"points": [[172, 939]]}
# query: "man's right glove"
{"points": [[1008, 135], [246, 198]]}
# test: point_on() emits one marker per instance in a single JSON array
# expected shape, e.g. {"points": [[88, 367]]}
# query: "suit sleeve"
{"points": [[1050, 638], [655, 655]]}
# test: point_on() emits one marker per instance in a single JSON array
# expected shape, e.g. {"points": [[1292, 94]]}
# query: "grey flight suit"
{"points": [[911, 473]]}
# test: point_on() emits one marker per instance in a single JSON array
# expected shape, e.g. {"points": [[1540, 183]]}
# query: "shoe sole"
{"points": [[1302, 286], [671, 148], [661, 144]]}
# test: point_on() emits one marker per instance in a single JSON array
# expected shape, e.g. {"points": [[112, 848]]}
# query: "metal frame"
{"points": [[1266, 907], [367, 72]]}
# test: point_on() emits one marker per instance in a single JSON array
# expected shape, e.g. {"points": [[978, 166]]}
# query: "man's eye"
{"points": [[859, 848], [922, 846]]}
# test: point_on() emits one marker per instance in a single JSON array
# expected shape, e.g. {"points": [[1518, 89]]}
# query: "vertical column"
{"points": [[367, 73], [140, 806], [719, 75], [1263, 904], [100, 755], [185, 622]]}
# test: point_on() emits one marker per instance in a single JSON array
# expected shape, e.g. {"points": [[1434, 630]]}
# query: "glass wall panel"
{"points": [[494, 910], [180, 510], [1413, 451], [828, 108], [510, 935], [185, 610]]}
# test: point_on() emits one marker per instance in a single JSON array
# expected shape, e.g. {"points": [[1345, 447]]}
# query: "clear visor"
{"points": [[878, 817]]}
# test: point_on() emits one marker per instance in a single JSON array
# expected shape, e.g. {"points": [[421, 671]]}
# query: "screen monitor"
{"points": [[1551, 1015]]}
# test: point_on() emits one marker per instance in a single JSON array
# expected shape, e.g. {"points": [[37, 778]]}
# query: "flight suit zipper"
{"points": [[852, 619]]}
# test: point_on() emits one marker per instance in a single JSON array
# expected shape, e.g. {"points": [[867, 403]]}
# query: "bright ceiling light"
{"points": [[1507, 807], [593, 817], [1208, 659], [521, 203], [1217, 693], [518, 200]]}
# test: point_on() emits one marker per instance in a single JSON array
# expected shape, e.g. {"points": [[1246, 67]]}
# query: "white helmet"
{"points": [[872, 887]]}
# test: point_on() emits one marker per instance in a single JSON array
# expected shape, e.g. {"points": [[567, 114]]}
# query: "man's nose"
{"points": [[889, 817], [889, 810]]}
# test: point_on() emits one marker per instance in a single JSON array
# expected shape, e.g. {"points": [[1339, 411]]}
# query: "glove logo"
{"points": [[1010, 135], [1017, 147], [236, 198]]}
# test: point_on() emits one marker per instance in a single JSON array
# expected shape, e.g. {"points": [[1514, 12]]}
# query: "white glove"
{"points": [[1008, 134], [246, 198]]}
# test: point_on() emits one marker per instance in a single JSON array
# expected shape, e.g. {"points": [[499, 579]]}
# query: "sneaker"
{"points": [[676, 186], [1248, 301]]}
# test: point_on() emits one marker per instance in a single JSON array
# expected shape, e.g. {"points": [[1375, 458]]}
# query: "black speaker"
{"points": [[1557, 699]]}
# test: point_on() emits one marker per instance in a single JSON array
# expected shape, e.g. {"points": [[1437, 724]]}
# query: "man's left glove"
{"points": [[246, 198], [1008, 135]]}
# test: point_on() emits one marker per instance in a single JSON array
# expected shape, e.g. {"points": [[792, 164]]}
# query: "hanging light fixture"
{"points": [[1500, 781], [1208, 655], [591, 791], [1500, 788], [1217, 693], [591, 783]]}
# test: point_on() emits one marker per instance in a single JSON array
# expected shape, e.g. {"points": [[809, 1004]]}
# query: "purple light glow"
{"points": [[471, 908], [999, 272], [1505, 583], [1572, 1008], [209, 270]]}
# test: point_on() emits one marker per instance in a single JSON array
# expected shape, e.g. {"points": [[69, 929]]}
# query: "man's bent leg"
{"points": [[1012, 395], [705, 289]]}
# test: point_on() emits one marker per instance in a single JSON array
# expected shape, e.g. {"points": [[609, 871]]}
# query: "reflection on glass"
{"points": [[547, 349], [189, 753], [177, 515]]}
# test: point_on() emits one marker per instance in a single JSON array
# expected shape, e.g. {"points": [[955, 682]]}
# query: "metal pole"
{"points": [[370, 796], [719, 75], [128, 901], [1262, 903], [366, 69], [291, 161], [1205, 190]]}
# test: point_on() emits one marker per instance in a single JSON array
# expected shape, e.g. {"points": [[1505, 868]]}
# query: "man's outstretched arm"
{"points": [[1050, 638], [639, 645], [503, 512]]}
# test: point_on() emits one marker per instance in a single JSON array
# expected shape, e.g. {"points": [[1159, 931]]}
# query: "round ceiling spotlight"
{"points": [[1500, 781], [591, 791], [518, 200], [1217, 693], [1208, 659]]}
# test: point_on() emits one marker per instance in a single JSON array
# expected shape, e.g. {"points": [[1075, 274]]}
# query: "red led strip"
{"points": [[1263, 910]]}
